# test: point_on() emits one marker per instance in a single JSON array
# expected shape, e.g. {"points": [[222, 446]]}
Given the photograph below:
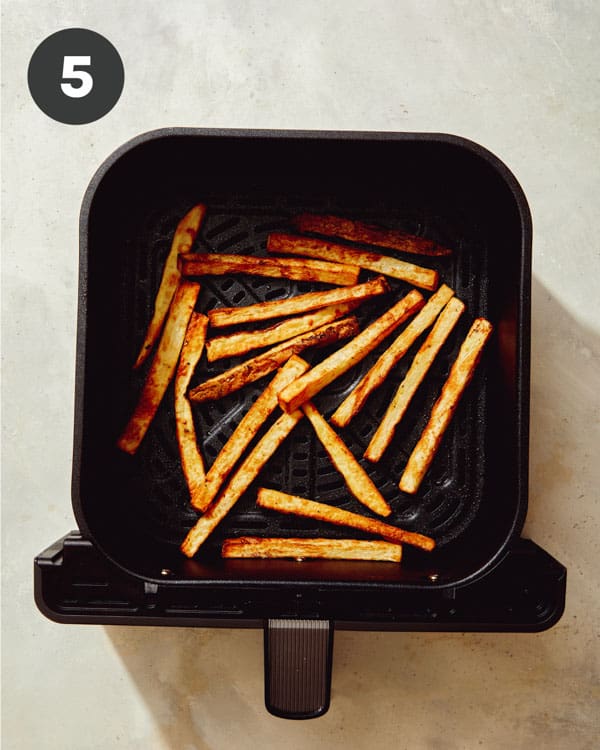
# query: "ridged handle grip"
{"points": [[298, 655]]}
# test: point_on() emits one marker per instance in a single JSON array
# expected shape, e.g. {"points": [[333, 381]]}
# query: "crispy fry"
{"points": [[301, 303], [355, 400], [426, 278], [162, 368], [357, 480], [414, 377], [236, 344], [240, 482], [243, 434], [321, 512], [300, 549], [444, 408], [184, 236], [219, 264], [191, 458], [261, 365], [358, 231], [307, 385]]}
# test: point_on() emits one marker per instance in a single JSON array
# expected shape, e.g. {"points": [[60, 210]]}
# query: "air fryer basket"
{"points": [[473, 501]]}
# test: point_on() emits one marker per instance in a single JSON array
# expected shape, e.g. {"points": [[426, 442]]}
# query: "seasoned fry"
{"points": [[444, 408], [426, 278], [191, 458], [219, 264], [358, 231], [357, 480], [307, 385], [283, 503], [240, 482], [236, 344], [355, 400], [162, 368], [184, 236], [243, 434], [414, 377], [261, 365], [320, 549], [301, 303]]}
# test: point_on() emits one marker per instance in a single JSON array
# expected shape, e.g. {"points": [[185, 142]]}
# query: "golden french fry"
{"points": [[219, 264], [191, 458], [319, 549], [444, 408], [279, 501], [261, 365], [290, 244], [317, 378], [243, 434], [357, 480], [236, 344], [414, 377], [162, 367], [301, 303], [355, 400], [358, 231], [240, 482], [185, 234]]}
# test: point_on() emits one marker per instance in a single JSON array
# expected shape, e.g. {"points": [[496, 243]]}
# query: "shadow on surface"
{"points": [[204, 687]]}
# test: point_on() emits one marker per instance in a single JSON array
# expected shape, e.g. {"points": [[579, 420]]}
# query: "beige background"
{"points": [[521, 78]]}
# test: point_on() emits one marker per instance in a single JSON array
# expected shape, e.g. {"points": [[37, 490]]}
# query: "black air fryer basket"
{"points": [[124, 566]]}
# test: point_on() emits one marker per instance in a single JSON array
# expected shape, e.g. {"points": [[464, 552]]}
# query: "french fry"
{"points": [[414, 377], [219, 264], [242, 479], [355, 400], [279, 501], [162, 367], [426, 278], [301, 303], [358, 231], [357, 480], [444, 408], [191, 458], [319, 549], [236, 344], [243, 434], [257, 367], [184, 236], [309, 384]]}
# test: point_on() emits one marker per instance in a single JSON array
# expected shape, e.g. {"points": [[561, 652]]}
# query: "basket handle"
{"points": [[298, 657]]}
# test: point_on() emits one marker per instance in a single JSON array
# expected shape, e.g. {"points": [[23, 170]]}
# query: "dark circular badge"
{"points": [[75, 76]]}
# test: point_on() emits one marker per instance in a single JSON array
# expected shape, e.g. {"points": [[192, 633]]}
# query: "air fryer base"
{"points": [[75, 583]]}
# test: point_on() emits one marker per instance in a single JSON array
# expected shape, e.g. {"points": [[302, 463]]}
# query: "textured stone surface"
{"points": [[519, 78]]}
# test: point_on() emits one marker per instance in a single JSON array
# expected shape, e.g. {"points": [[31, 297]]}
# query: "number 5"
{"points": [[86, 80]]}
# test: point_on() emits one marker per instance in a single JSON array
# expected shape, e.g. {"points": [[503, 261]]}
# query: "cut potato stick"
{"points": [[301, 303], [184, 236], [243, 434], [219, 264], [242, 479], [257, 367], [162, 367], [444, 408], [319, 549], [358, 231], [191, 458], [414, 377], [236, 344], [355, 400], [426, 278], [274, 500], [307, 385], [356, 478]]}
